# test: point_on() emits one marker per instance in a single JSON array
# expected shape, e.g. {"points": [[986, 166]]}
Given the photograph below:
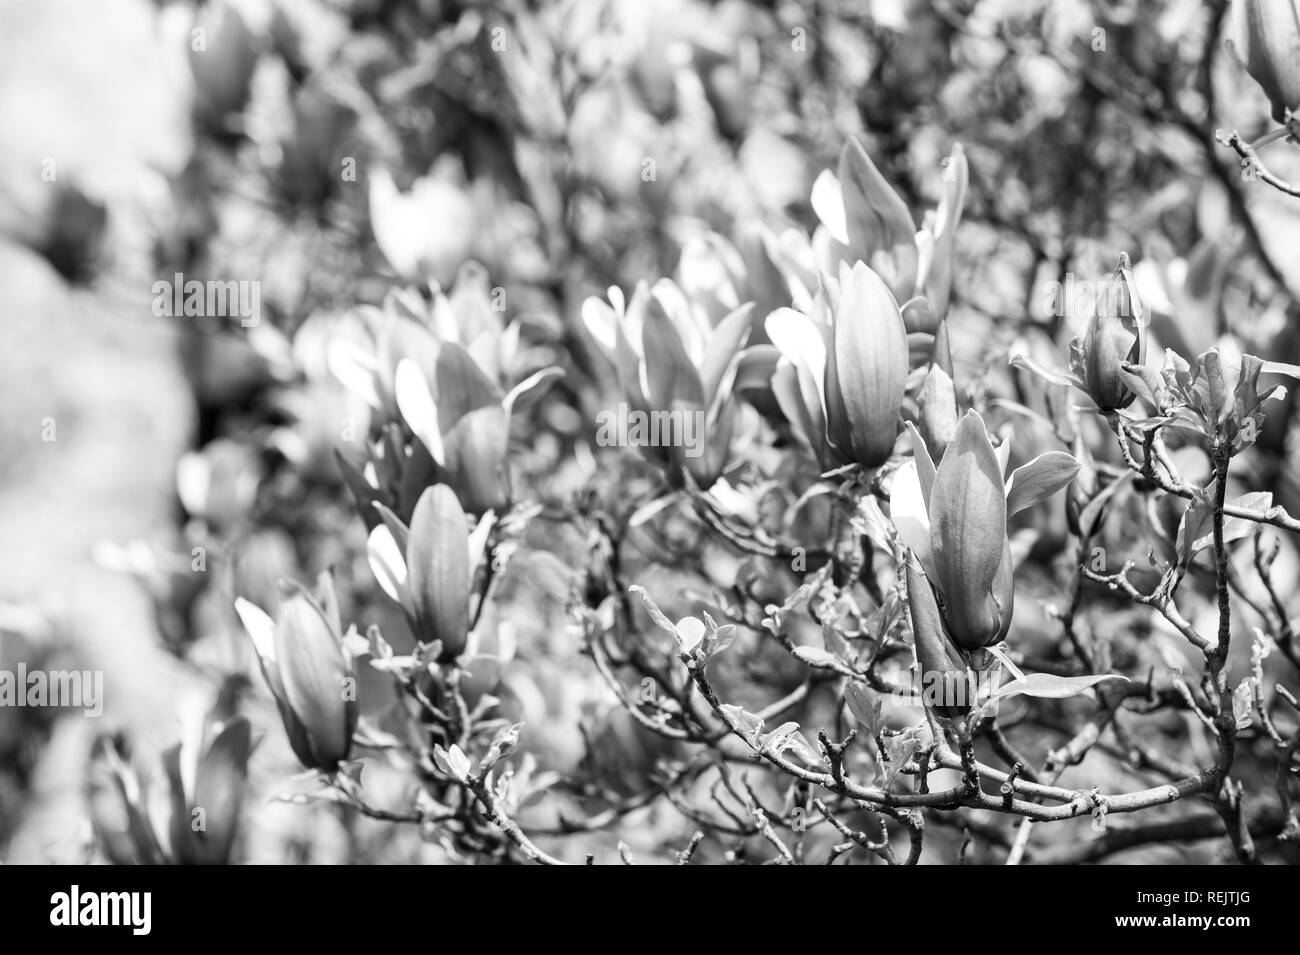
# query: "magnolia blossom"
{"points": [[864, 219], [206, 777], [429, 568], [462, 420], [437, 369], [844, 369], [1266, 39], [309, 670], [944, 666], [222, 65], [1112, 349], [1116, 335], [937, 406], [954, 519], [427, 232], [207, 771], [668, 356]]}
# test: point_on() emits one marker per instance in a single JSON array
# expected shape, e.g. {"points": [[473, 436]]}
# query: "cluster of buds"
{"points": [[308, 667], [1217, 395], [670, 358], [432, 379]]}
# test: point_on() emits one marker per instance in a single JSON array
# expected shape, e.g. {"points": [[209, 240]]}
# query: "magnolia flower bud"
{"points": [[1116, 334], [972, 556], [1266, 38], [867, 219], [438, 568], [866, 370], [309, 673], [955, 519], [938, 406]]}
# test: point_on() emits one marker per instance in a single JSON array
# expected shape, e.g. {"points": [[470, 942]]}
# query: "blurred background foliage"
{"points": [[531, 155]]}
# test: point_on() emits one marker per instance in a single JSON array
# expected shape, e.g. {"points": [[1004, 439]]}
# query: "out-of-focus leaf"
{"points": [[865, 708], [816, 657]]}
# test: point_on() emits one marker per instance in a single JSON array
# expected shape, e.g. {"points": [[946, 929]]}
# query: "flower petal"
{"points": [[877, 219], [828, 205], [260, 627], [968, 513], [871, 364], [438, 562], [417, 407], [908, 512], [1039, 479], [387, 563]]}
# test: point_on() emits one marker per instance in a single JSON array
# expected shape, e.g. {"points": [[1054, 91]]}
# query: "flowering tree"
{"points": [[657, 519]]}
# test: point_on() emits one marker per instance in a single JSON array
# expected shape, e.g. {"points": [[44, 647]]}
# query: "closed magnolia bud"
{"points": [[866, 369], [938, 405], [1116, 334], [309, 674], [971, 552], [438, 569], [1266, 38]]}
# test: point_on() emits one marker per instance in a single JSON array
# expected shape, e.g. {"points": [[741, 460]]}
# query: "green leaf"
{"points": [[1039, 479], [871, 364], [968, 530], [749, 725], [453, 762], [437, 566], [817, 658], [864, 707], [900, 749], [788, 737], [1049, 686], [652, 608]]}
